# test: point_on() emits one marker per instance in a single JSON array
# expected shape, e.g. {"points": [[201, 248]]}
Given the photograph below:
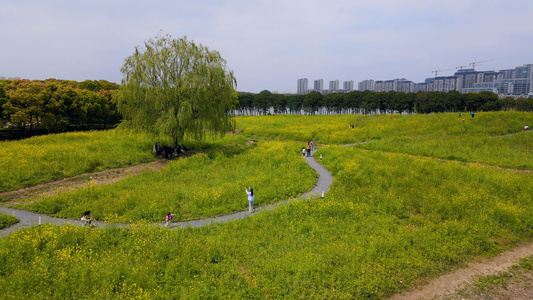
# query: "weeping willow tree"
{"points": [[173, 87]]}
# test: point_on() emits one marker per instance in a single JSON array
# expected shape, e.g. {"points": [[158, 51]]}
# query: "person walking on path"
{"points": [[312, 146], [308, 148], [168, 219], [250, 199], [86, 218], [303, 151]]}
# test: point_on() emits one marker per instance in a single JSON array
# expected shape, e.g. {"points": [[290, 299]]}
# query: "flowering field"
{"points": [[486, 138], [204, 185], [47, 158], [391, 220]]}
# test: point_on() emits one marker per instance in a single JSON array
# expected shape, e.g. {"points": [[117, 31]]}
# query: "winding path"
{"points": [[29, 219], [437, 287]]}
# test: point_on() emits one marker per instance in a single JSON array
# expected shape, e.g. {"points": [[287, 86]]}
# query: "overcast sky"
{"points": [[269, 44]]}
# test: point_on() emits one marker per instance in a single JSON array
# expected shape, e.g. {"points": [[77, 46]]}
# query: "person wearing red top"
{"points": [[168, 218]]}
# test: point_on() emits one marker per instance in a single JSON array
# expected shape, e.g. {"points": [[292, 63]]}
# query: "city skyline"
{"points": [[516, 81]]}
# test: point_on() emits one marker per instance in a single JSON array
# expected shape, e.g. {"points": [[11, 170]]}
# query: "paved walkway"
{"points": [[511, 134], [29, 219], [322, 186]]}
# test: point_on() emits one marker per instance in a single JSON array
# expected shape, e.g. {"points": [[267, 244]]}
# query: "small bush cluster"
{"points": [[6, 220]]}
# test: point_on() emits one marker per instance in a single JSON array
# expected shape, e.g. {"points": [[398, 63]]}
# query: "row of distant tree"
{"points": [[366, 102], [55, 105]]}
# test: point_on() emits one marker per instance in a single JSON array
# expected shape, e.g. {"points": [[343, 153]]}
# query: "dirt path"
{"points": [[71, 183], [447, 284], [95, 178]]}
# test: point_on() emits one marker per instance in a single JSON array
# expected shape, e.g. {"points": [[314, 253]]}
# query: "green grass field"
{"points": [[395, 217], [47, 158], [483, 139]]}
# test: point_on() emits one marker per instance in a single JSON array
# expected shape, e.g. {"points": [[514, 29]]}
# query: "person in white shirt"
{"points": [[250, 199]]}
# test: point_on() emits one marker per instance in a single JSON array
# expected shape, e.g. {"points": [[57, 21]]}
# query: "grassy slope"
{"points": [[370, 237], [389, 222], [437, 135], [47, 158]]}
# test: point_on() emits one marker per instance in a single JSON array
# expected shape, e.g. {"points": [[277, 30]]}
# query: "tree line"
{"points": [[367, 102], [55, 105]]}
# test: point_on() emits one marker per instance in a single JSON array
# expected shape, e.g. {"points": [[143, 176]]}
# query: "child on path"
{"points": [[250, 199], [168, 218], [86, 218]]}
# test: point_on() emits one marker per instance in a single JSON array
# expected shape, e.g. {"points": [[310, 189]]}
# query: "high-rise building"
{"points": [[366, 85], [333, 86], [524, 71], [302, 87], [347, 86], [516, 82], [506, 74], [398, 85], [508, 82], [318, 85], [379, 86], [403, 85]]}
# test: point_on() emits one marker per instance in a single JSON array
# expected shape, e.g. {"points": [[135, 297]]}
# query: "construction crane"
{"points": [[473, 64], [437, 71], [460, 67]]}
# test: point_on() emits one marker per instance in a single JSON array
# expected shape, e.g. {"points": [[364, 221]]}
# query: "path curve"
{"points": [[321, 187], [29, 219]]}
